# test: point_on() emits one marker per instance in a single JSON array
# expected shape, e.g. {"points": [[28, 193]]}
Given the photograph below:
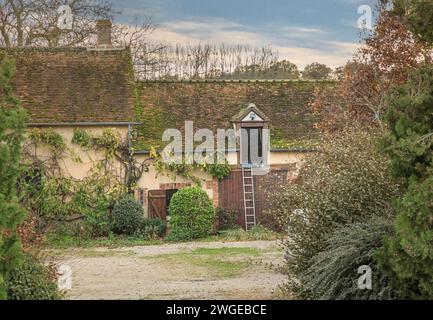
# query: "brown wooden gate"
{"points": [[231, 194], [157, 204]]}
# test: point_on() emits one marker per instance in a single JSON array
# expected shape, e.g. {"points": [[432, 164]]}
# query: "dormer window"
{"points": [[252, 116], [251, 123]]}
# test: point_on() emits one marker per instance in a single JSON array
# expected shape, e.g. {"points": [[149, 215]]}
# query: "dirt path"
{"points": [[214, 270]]}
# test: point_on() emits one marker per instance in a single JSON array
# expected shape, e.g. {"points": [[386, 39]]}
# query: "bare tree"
{"points": [[144, 54], [35, 22], [209, 61]]}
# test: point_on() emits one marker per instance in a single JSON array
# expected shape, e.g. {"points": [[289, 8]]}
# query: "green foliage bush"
{"points": [[180, 234], [191, 212], [97, 225], [256, 233], [32, 281], [409, 143], [333, 272], [54, 198], [407, 257], [12, 125], [227, 219], [128, 216], [347, 182], [153, 228]]}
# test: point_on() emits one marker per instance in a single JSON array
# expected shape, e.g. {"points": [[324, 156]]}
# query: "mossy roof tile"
{"points": [[212, 105], [74, 85]]}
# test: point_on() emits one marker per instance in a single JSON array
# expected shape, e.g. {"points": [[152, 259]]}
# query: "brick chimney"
{"points": [[103, 30]]}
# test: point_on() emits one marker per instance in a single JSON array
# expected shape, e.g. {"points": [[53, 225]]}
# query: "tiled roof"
{"points": [[213, 104], [74, 85]]}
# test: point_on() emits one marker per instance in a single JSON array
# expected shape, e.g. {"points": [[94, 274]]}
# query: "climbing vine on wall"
{"points": [[51, 191], [186, 168], [53, 194]]}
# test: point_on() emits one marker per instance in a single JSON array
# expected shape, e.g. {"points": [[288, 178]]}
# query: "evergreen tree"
{"points": [[12, 125], [418, 15], [407, 257]]}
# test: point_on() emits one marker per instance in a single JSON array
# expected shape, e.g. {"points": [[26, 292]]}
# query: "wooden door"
{"points": [[231, 195], [157, 204]]}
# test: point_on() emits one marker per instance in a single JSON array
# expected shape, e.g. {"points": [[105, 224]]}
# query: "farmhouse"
{"points": [[94, 89]]}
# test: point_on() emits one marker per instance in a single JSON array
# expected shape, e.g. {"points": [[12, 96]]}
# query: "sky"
{"points": [[303, 31]]}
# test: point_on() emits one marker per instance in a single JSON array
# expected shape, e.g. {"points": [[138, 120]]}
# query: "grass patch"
{"points": [[227, 251], [104, 253], [210, 262], [221, 269], [63, 242], [258, 233]]}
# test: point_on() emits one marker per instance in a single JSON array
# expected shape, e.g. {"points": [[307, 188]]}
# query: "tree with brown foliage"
{"points": [[386, 58]]}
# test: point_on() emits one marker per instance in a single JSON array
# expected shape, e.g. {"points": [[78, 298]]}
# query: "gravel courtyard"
{"points": [[199, 270]]}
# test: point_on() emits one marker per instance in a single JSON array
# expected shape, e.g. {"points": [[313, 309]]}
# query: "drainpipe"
{"points": [[129, 159], [129, 138]]}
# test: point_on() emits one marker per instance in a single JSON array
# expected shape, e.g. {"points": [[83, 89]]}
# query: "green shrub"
{"points": [[12, 126], [182, 235], [128, 216], [97, 225], [153, 228], [32, 281], [333, 274], [347, 182], [407, 257], [191, 212], [227, 219], [256, 233], [76, 229]]}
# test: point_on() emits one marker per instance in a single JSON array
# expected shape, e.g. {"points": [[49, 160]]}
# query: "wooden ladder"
{"points": [[249, 197]]}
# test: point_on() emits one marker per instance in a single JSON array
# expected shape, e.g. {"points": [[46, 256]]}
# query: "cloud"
{"points": [[333, 55], [299, 44]]}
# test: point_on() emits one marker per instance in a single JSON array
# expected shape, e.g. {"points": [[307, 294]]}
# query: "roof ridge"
{"points": [[64, 49], [238, 81]]}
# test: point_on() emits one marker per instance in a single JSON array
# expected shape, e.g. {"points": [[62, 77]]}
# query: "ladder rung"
{"points": [[248, 184]]}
